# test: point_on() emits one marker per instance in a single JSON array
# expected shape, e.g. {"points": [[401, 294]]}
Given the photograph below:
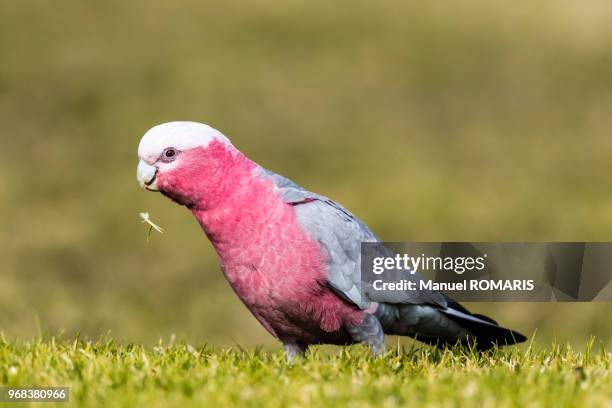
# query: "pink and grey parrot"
{"points": [[293, 256]]}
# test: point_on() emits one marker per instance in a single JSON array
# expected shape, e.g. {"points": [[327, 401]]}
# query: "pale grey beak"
{"points": [[145, 174]]}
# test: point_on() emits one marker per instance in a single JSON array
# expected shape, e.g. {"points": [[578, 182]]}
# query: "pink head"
{"points": [[192, 163]]}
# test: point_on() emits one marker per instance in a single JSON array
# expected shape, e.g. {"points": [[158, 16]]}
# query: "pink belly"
{"points": [[294, 305], [275, 267]]}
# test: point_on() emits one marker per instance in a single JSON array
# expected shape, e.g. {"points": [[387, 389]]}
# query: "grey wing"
{"points": [[340, 235]]}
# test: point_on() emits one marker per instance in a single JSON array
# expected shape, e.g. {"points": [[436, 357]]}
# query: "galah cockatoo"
{"points": [[293, 256]]}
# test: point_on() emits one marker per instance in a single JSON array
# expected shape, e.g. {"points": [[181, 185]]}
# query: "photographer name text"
{"points": [[467, 284]]}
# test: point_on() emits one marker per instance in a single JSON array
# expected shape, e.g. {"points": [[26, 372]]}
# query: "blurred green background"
{"points": [[468, 120]]}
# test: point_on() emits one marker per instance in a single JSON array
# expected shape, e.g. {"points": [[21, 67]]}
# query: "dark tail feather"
{"points": [[444, 327], [487, 333]]}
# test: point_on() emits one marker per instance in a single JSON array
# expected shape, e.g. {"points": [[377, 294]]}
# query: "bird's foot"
{"points": [[370, 332], [293, 350]]}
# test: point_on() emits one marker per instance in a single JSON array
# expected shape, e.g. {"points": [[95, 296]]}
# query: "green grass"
{"points": [[108, 373]]}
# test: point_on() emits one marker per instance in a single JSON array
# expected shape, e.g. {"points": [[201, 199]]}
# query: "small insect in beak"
{"points": [[144, 216]]}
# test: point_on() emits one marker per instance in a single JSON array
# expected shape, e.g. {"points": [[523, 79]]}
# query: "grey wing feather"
{"points": [[340, 234]]}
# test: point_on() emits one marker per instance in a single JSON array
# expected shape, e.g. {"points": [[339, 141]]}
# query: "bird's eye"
{"points": [[169, 154]]}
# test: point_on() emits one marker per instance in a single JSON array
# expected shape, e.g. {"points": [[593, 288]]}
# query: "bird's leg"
{"points": [[293, 350], [371, 333]]}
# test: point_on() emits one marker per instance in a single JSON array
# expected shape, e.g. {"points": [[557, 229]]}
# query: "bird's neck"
{"points": [[240, 208]]}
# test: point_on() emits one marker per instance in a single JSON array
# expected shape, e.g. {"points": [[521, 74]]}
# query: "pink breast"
{"points": [[273, 265]]}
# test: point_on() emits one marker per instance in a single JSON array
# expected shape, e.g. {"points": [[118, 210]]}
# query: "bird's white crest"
{"points": [[180, 135]]}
